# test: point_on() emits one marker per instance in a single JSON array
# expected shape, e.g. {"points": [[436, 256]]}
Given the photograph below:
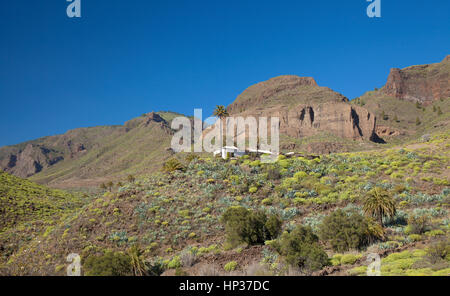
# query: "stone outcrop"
{"points": [[423, 84], [29, 161], [305, 109], [340, 119]]}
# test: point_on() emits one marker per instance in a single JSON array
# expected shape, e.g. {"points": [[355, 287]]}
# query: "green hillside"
{"points": [[174, 219], [27, 208]]}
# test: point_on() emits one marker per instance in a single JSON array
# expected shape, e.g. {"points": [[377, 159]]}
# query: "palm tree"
{"points": [[173, 165], [379, 204], [222, 113]]}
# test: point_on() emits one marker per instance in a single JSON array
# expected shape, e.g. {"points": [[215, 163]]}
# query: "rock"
{"points": [[423, 83], [305, 109], [388, 131]]}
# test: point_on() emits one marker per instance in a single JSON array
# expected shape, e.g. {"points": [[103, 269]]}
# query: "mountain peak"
{"points": [[285, 90]]}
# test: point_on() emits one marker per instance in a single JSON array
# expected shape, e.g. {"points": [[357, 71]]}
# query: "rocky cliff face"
{"points": [[305, 109], [29, 161], [424, 83]]}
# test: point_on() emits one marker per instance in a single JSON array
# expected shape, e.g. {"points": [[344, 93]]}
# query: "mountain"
{"points": [[89, 156], [424, 83], [315, 119], [414, 101], [306, 110]]}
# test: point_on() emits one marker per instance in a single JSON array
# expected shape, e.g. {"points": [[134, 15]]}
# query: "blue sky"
{"points": [[124, 58]]}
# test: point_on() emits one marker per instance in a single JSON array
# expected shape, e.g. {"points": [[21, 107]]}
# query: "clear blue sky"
{"points": [[127, 57]]}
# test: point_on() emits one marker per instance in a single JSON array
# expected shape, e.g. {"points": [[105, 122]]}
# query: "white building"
{"points": [[232, 151]]}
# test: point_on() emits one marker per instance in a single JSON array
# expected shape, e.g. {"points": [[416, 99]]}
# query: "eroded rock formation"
{"points": [[423, 83]]}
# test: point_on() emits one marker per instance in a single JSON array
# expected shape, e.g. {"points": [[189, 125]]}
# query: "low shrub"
{"points": [[109, 264], [230, 266], [300, 248], [346, 231], [439, 251], [417, 224], [251, 227], [349, 259]]}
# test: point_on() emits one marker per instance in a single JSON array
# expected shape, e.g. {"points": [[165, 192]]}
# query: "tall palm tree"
{"points": [[379, 204], [222, 113]]}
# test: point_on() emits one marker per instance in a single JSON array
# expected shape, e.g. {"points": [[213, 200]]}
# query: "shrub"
{"points": [[345, 231], [417, 224], [253, 189], [336, 260], [251, 227], [435, 232], [230, 266], [300, 175], [349, 259], [273, 173], [174, 263], [267, 201], [439, 251], [300, 248], [109, 264], [415, 237]]}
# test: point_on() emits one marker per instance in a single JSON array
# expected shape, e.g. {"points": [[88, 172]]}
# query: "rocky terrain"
{"points": [[423, 83], [305, 109], [414, 102]]}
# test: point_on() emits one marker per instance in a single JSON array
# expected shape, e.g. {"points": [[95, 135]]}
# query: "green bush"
{"points": [[349, 259], [230, 266], [273, 173], [109, 264], [415, 237], [439, 251], [417, 224], [251, 227], [345, 232], [301, 248], [174, 263]]}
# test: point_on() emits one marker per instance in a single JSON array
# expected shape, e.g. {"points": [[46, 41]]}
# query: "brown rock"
{"points": [[305, 109], [424, 83], [388, 131]]}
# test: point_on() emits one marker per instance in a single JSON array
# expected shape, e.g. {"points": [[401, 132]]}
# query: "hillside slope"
{"points": [[415, 101], [174, 215], [27, 208], [90, 156]]}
